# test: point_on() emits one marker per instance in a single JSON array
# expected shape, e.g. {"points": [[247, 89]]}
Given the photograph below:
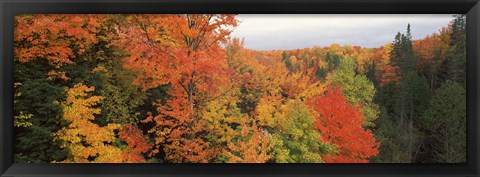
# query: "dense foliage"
{"points": [[176, 88]]}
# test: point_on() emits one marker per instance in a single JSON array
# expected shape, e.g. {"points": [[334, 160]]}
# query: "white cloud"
{"points": [[290, 31]]}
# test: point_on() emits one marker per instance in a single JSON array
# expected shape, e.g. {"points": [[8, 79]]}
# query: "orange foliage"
{"points": [[389, 74], [137, 144], [255, 146], [52, 36], [341, 124], [184, 52], [53, 74], [431, 51], [386, 72]]}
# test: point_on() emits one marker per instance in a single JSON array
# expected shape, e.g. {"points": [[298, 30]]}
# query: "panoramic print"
{"points": [[244, 88]]}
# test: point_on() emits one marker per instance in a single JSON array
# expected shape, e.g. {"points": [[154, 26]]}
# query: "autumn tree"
{"points": [[183, 52], [222, 118], [298, 140], [252, 146], [271, 97], [85, 140], [430, 53], [358, 89], [136, 144], [44, 44], [341, 124], [105, 70], [51, 36], [384, 69], [246, 74]]}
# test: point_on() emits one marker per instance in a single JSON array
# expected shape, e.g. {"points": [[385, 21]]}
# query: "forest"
{"points": [[177, 88]]}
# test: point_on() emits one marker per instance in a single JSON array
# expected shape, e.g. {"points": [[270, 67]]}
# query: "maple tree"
{"points": [[52, 36], [341, 124], [183, 52], [137, 144]]}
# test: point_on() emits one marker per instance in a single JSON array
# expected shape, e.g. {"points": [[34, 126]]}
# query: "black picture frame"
{"points": [[9, 8]]}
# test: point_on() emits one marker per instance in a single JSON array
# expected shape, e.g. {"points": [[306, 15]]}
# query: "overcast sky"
{"points": [[288, 31]]}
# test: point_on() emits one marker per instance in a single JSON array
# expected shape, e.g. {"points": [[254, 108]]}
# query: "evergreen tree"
{"points": [[387, 132], [454, 66], [411, 99], [39, 97], [446, 119], [320, 73], [20, 119], [402, 55]]}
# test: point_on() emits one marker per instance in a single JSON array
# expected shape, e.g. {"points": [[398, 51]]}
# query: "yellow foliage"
{"points": [[83, 138], [254, 146]]}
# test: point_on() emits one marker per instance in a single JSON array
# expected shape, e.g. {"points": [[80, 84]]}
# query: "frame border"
{"points": [[8, 8]]}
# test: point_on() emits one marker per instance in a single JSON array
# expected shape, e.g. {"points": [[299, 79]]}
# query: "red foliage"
{"points": [[137, 144], [341, 124]]}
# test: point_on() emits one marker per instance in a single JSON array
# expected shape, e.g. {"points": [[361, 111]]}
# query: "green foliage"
{"points": [[371, 75], [121, 97], [21, 119], [358, 89], [288, 63], [446, 118], [412, 97], [402, 53], [298, 140], [34, 144], [387, 131], [454, 66], [320, 73], [115, 83]]}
